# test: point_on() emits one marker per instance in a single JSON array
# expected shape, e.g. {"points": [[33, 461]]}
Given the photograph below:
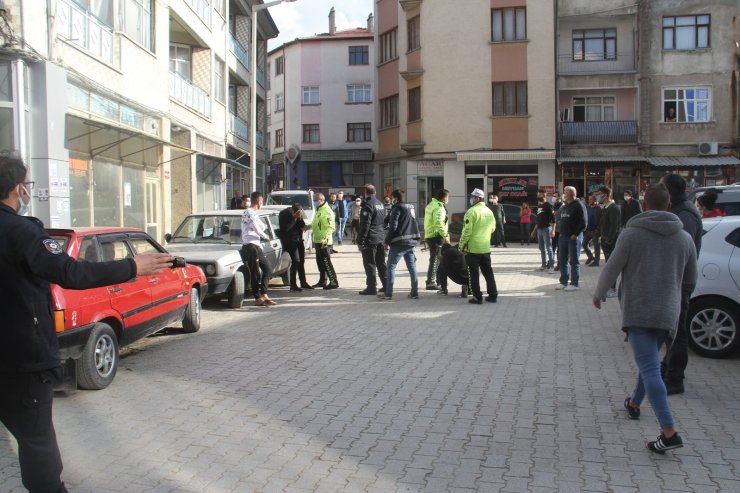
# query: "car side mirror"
{"points": [[179, 262], [168, 237]]}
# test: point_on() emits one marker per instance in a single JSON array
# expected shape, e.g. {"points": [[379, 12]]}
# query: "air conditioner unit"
{"points": [[707, 148]]}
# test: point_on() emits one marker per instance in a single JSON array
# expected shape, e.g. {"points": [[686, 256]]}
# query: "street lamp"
{"points": [[253, 102]]}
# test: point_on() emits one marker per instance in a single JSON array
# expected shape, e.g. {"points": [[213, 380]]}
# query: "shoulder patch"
{"points": [[52, 246]]}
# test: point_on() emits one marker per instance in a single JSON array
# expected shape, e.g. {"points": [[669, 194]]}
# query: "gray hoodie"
{"points": [[654, 255]]}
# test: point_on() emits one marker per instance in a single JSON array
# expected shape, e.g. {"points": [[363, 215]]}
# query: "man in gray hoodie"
{"points": [[655, 258]]}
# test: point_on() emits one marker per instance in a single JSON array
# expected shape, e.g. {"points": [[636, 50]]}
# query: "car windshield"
{"points": [[288, 199], [209, 229]]}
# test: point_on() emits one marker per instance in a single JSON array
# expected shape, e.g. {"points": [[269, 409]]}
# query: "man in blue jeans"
{"points": [[403, 235], [655, 258], [543, 230], [570, 225]]}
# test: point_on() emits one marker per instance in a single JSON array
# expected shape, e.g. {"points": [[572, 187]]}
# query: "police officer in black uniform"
{"points": [[370, 240], [29, 351]]}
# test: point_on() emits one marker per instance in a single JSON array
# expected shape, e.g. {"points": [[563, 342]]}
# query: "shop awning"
{"points": [[603, 159], [525, 155], [675, 162]]}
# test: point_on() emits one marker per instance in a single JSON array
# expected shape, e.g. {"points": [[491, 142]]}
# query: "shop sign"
{"points": [[516, 188], [430, 168]]}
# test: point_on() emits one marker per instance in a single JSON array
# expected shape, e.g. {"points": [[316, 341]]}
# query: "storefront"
{"points": [[697, 171]]}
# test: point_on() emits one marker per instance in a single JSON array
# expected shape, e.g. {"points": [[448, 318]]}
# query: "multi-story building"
{"points": [[322, 117], [122, 108], [646, 88], [465, 98]]}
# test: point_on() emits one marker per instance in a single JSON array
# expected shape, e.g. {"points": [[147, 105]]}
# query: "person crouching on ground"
{"points": [[452, 265]]}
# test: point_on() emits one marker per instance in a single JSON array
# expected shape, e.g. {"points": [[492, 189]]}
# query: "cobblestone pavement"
{"points": [[331, 391]]}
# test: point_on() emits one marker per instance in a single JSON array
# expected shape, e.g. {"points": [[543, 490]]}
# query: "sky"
{"points": [[304, 18]]}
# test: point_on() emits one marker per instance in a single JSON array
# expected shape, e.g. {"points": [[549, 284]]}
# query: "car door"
{"points": [[272, 248], [282, 259]]}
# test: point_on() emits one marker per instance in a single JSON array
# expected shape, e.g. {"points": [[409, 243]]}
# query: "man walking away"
{"points": [[544, 231], [609, 227], [435, 233], [571, 225], [677, 354], [402, 236], [342, 215], [452, 265], [370, 241], [291, 236], [657, 261], [323, 229], [591, 235], [499, 216], [253, 233], [475, 242]]}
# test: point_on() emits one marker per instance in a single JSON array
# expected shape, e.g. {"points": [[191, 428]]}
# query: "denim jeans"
{"points": [[646, 349], [394, 256], [568, 253], [340, 229], [543, 240]]}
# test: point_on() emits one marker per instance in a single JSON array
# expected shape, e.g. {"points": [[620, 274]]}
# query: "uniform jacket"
{"points": [[29, 261], [402, 227], [435, 219], [478, 225], [372, 222], [323, 225]]}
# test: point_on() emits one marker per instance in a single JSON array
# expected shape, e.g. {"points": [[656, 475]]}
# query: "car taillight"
{"points": [[59, 320]]}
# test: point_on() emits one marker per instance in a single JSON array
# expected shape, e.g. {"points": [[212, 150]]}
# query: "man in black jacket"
{"points": [[291, 236], [29, 351], [571, 224], [631, 207], [370, 240]]}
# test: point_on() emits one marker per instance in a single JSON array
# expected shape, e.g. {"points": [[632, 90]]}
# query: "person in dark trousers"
{"points": [[323, 226], [435, 233], [556, 203], [370, 241], [631, 207], [291, 236], [401, 238], [342, 216], [499, 215], [571, 224], [236, 200], [254, 232], [475, 242], [29, 352], [591, 235], [676, 357], [543, 230], [452, 265]]}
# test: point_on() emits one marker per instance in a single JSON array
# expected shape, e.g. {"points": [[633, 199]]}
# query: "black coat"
{"points": [[372, 222], [291, 229], [29, 261]]}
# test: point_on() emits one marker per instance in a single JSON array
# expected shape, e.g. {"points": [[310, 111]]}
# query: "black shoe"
{"points": [[368, 291], [306, 286], [674, 388], [433, 287], [475, 301], [318, 285], [634, 412], [593, 264], [442, 291], [331, 286], [662, 443], [295, 288], [492, 299]]}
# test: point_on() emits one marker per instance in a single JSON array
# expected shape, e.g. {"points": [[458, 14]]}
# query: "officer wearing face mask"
{"points": [[29, 351]]}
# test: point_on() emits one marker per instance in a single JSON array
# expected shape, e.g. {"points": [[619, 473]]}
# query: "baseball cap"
{"points": [[477, 192]]}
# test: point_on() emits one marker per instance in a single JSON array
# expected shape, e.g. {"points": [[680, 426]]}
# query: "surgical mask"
{"points": [[551, 200], [25, 206], [627, 197], [358, 202], [471, 201], [600, 199]]}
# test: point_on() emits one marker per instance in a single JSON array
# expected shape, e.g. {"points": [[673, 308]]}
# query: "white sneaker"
{"points": [[571, 288], [612, 293], [551, 270], [561, 286]]}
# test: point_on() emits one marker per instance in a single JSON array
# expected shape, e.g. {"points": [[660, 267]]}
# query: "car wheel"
{"points": [[191, 320], [236, 290], [97, 366], [713, 327]]}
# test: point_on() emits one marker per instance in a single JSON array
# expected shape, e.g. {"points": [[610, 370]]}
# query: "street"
{"points": [[330, 391]]}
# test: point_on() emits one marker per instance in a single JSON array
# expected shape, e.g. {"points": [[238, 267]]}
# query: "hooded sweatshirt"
{"points": [[655, 256]]}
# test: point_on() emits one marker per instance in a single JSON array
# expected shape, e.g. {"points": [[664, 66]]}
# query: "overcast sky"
{"points": [[308, 17]]}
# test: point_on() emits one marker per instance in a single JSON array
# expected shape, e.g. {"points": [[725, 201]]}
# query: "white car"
{"points": [[713, 321]]}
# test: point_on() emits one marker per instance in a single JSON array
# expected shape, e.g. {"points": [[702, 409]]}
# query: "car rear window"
{"points": [[209, 229], [286, 199]]}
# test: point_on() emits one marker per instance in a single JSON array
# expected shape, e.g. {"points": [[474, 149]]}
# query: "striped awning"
{"points": [[526, 155], [674, 162], [603, 159]]}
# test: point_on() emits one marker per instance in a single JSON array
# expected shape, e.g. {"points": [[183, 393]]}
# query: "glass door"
{"points": [[152, 208]]}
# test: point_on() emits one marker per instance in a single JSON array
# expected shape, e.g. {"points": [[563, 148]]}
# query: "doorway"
{"points": [[428, 186], [152, 209]]}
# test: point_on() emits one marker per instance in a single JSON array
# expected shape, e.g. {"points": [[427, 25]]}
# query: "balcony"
{"points": [[407, 5], [238, 127], [85, 30], [261, 77], [260, 139], [625, 62], [612, 132], [239, 51], [190, 95], [203, 9]]}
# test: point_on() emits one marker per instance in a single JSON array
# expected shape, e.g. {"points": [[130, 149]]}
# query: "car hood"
{"points": [[203, 253]]}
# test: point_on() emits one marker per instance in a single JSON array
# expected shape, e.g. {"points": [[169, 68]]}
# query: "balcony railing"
{"points": [[83, 29], [203, 9], [625, 62], [238, 127], [239, 51], [190, 95], [261, 77], [612, 132], [260, 139]]}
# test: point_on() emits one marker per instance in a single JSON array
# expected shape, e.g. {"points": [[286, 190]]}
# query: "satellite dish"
{"points": [[293, 152]]}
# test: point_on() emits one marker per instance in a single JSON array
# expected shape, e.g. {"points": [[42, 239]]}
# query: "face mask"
{"points": [[600, 199], [358, 202], [25, 206], [394, 202], [551, 200], [471, 201], [627, 197]]}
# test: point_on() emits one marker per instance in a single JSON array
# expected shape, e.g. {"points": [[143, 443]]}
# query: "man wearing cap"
{"points": [[475, 243]]}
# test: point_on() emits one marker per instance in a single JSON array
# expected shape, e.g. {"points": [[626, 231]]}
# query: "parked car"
{"points": [[728, 198], [511, 228], [713, 321], [92, 324], [212, 240], [277, 200]]}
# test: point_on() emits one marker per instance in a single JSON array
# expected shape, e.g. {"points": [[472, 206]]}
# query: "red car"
{"points": [[93, 323]]}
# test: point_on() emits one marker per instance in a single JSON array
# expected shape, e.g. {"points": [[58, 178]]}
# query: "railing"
{"points": [[238, 127], [625, 62], [83, 29], [203, 9], [612, 132], [261, 77], [239, 51], [190, 95], [260, 139]]}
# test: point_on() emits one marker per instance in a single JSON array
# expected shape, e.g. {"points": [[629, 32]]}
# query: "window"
{"points": [[414, 104], [311, 95], [359, 132], [594, 108], [687, 104], [311, 133], [89, 24], [279, 102], [594, 44], [101, 9], [389, 112], [509, 24], [687, 32], [509, 98], [180, 60], [356, 174], [279, 65], [232, 99], [359, 93], [137, 21], [358, 55], [413, 27], [279, 137], [218, 81], [388, 49]]}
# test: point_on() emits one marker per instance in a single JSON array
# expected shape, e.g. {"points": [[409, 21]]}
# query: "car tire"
{"points": [[97, 366], [236, 290], [191, 319], [713, 326]]}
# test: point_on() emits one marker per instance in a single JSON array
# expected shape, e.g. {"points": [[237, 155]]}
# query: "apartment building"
{"points": [[646, 88], [322, 117], [123, 109], [466, 98]]}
